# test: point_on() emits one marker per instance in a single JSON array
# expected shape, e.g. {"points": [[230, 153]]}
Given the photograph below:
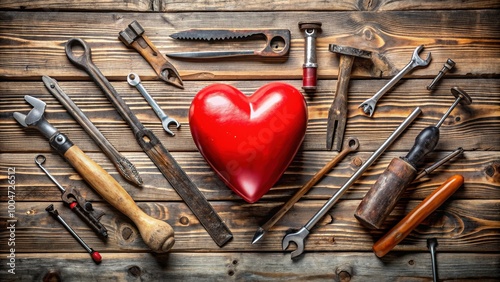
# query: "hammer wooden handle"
{"points": [[417, 215], [157, 234]]}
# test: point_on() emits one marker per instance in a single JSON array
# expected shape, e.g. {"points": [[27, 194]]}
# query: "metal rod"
{"points": [[39, 160], [439, 163]]}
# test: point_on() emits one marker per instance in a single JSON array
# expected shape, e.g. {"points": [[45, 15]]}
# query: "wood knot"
{"points": [[344, 273], [357, 161], [52, 276], [127, 233], [184, 220], [493, 172], [134, 271]]}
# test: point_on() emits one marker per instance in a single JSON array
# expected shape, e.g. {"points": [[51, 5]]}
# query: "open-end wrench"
{"points": [[134, 80], [416, 61], [299, 236]]}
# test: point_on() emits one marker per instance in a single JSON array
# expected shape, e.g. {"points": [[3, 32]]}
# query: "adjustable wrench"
{"points": [[134, 80], [416, 61]]}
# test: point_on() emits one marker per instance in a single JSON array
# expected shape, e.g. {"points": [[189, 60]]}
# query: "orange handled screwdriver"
{"points": [[417, 215]]}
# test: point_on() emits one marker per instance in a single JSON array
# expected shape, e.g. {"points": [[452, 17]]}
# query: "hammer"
{"points": [[157, 234], [337, 114]]}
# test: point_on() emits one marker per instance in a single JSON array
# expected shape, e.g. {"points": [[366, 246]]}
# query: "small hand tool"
{"points": [[416, 61], [352, 145], [310, 66], [277, 42], [157, 234], [122, 164], [432, 245], [133, 36], [96, 256], [430, 169], [155, 150], [337, 115], [77, 203], [383, 196], [447, 66], [299, 236], [134, 80], [417, 215]]}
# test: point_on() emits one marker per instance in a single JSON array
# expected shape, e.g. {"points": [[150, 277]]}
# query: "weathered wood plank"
{"points": [[255, 267], [76, 5], [473, 127], [459, 225], [392, 36]]}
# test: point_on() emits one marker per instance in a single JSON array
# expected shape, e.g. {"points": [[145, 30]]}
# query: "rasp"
{"points": [[152, 146]]}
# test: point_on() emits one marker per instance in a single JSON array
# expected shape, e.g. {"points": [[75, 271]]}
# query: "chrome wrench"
{"points": [[134, 80], [416, 61], [299, 236]]}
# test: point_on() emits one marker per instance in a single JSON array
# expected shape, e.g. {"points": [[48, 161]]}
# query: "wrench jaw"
{"points": [[297, 238], [417, 60], [368, 106], [167, 122], [170, 75], [35, 118]]}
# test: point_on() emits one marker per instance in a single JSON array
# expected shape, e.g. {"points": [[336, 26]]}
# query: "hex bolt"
{"points": [[432, 244], [309, 74], [447, 66]]}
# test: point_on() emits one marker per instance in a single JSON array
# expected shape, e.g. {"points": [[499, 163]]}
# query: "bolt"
{"points": [[309, 77], [432, 244], [447, 66]]}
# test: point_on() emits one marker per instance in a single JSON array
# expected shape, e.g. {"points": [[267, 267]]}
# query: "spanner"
{"points": [[134, 80], [416, 61]]}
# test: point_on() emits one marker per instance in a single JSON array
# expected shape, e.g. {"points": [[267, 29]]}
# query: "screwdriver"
{"points": [[382, 197]]}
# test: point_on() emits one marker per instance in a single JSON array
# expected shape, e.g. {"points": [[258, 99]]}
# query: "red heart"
{"points": [[248, 141]]}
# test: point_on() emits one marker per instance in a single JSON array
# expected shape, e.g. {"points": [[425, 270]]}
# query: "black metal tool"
{"points": [[432, 245], [77, 203], [447, 66]]}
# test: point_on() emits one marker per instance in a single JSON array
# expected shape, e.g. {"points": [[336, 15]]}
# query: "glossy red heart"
{"points": [[249, 141]]}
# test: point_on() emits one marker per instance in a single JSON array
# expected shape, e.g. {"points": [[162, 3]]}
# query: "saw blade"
{"points": [[213, 34]]}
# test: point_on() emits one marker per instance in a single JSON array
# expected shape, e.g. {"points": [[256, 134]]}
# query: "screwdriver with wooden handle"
{"points": [[417, 215]]}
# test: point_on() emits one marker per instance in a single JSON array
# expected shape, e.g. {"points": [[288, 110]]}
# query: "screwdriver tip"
{"points": [[258, 235]]}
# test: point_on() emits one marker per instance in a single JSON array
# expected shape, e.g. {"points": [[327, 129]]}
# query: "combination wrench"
{"points": [[134, 80], [299, 236], [416, 61]]}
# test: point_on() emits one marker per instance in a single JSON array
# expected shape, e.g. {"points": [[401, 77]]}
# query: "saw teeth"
{"points": [[212, 38]]}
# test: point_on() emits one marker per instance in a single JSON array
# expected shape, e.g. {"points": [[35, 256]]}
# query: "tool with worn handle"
{"points": [[133, 36], [416, 61], [157, 234], [337, 114], [383, 196], [76, 202], [310, 66], [155, 150], [134, 80], [299, 236], [277, 42], [96, 256], [352, 145], [417, 215], [122, 164]]}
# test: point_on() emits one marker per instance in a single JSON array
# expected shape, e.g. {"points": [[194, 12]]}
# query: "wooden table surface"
{"points": [[467, 226]]}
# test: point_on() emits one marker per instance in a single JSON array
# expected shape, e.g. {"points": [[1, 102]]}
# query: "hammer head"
{"points": [[349, 51]]}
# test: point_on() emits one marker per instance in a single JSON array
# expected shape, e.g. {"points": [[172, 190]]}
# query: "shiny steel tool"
{"points": [[277, 42], [157, 234], [155, 150], [416, 61], [352, 145], [133, 36], [134, 80], [299, 236], [96, 256], [310, 66], [77, 203], [122, 164]]}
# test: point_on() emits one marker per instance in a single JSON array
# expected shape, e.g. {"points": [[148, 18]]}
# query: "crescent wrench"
{"points": [[416, 61]]}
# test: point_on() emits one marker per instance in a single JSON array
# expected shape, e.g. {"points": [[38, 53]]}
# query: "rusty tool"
{"points": [[133, 36], [155, 150], [299, 236], [134, 80], [277, 42], [76, 202], [416, 61], [122, 164], [352, 145], [337, 115], [432, 245], [310, 66], [157, 234], [96, 256], [417, 215], [447, 66], [383, 196]]}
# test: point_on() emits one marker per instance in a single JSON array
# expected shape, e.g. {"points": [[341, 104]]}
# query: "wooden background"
{"points": [[467, 226]]}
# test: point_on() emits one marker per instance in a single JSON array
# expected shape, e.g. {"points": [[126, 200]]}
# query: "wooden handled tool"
{"points": [[157, 234], [417, 215]]}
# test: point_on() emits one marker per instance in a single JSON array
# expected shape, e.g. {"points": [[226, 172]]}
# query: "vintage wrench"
{"points": [[416, 61], [134, 80]]}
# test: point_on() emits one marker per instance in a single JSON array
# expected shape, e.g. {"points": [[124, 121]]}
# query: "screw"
{"points": [[309, 77], [55, 214], [462, 97], [432, 244], [447, 66]]}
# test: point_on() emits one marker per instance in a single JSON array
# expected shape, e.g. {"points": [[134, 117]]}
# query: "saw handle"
{"points": [[417, 215], [157, 234]]}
